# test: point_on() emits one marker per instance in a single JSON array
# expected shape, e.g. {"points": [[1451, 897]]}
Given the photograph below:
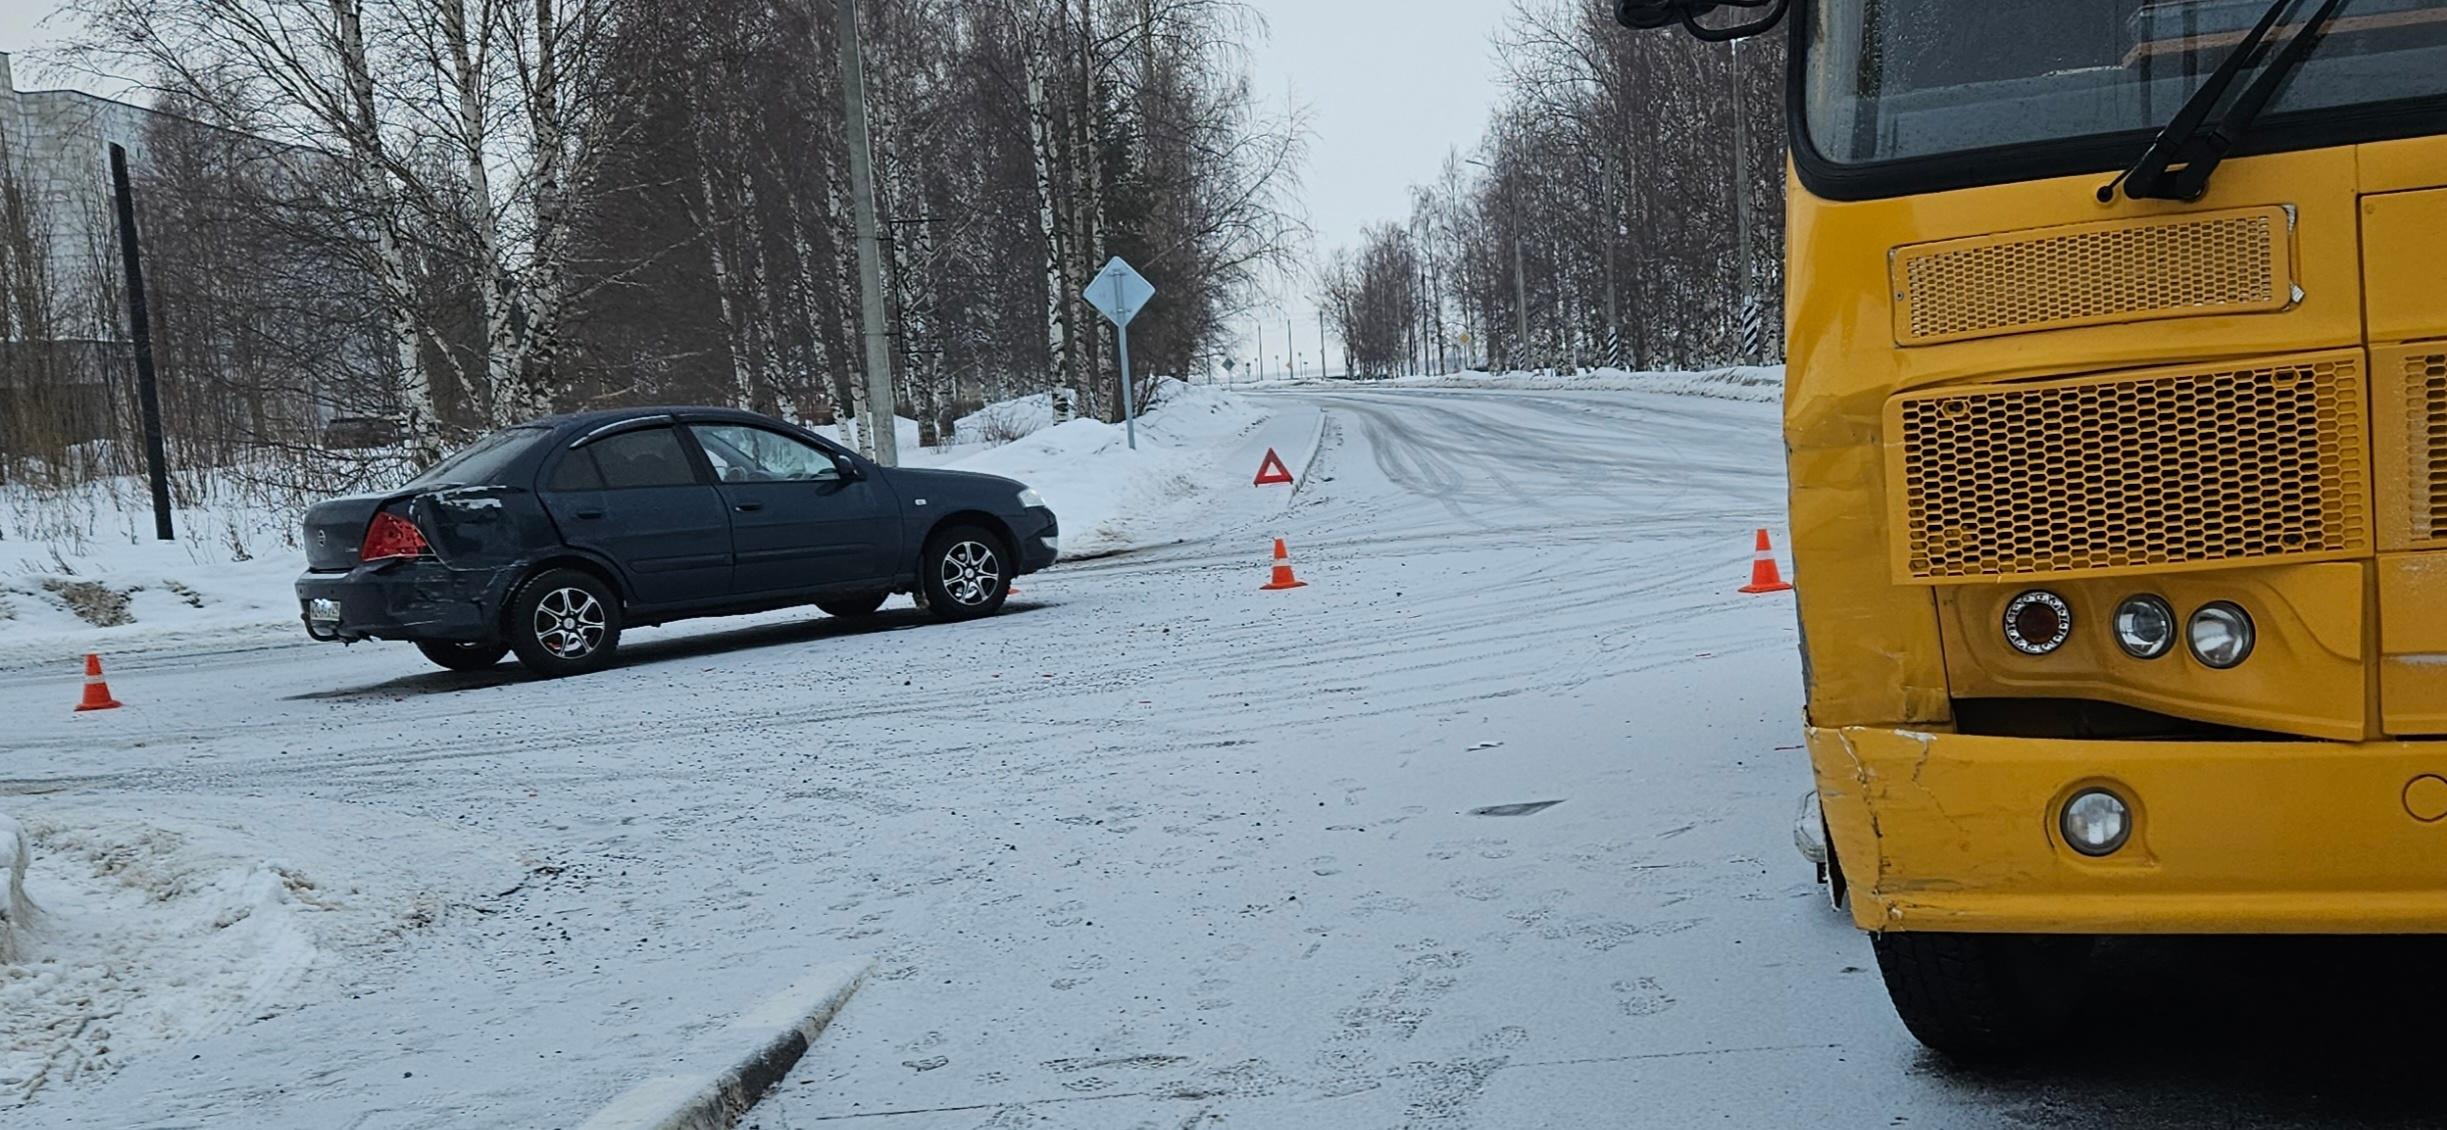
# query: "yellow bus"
{"points": [[2117, 429]]}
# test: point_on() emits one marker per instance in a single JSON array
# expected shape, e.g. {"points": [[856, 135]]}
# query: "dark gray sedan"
{"points": [[549, 538]]}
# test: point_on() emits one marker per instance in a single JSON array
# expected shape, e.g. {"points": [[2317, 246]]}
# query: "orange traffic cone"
{"points": [[97, 692], [1763, 574], [1282, 571]]}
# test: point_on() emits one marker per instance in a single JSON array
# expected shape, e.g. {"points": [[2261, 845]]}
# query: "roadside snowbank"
{"points": [[1748, 383], [14, 909], [160, 923], [1110, 498]]}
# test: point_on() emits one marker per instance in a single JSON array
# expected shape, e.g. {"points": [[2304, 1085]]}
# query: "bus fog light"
{"points": [[2096, 822], [2038, 622], [2145, 627], [2221, 635]]}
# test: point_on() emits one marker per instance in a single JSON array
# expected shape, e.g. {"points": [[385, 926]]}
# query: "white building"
{"points": [[73, 369], [58, 146]]}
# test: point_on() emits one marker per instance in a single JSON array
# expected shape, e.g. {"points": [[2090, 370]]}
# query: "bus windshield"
{"points": [[1894, 80]]}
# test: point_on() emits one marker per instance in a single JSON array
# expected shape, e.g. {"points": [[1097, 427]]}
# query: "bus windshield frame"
{"points": [[2089, 119]]}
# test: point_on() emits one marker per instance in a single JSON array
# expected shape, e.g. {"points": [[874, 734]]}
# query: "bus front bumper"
{"points": [[1948, 832]]}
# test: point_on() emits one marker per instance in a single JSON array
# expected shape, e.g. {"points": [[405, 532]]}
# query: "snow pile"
{"points": [[1749, 383], [14, 909], [81, 566], [1109, 498], [145, 938], [1006, 420]]}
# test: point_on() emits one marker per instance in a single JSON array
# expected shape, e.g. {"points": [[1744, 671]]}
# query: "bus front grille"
{"points": [[2426, 419], [2151, 471], [2114, 271]]}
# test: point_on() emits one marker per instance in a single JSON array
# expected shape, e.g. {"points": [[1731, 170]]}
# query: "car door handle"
{"points": [[590, 515], [749, 507]]}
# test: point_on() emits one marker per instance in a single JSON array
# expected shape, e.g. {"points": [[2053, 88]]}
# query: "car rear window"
{"points": [[576, 471], [648, 458], [481, 462]]}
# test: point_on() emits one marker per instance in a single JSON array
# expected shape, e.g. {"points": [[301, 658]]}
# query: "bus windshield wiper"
{"points": [[2178, 164]]}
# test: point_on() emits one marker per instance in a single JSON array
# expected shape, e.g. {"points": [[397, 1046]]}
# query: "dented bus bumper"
{"points": [[1951, 832]]}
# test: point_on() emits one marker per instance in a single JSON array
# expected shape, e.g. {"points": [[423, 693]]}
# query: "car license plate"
{"points": [[323, 610]]}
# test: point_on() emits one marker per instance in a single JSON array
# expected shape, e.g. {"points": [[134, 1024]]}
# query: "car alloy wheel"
{"points": [[972, 574], [569, 622]]}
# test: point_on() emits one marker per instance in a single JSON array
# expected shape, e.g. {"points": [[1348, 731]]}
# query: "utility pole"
{"points": [[1747, 314], [1291, 352], [880, 428], [1520, 292], [1321, 347], [1614, 292], [140, 328]]}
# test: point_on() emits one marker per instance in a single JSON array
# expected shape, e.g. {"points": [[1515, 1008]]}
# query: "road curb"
{"points": [[760, 1047]]}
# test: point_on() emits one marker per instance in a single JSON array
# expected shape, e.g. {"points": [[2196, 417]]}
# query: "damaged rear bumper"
{"points": [[403, 600], [1950, 832]]}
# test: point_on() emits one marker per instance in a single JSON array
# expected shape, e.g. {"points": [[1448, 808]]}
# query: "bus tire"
{"points": [[1983, 997]]}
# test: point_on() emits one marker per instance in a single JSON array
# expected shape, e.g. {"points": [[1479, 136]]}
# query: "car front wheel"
{"points": [[966, 573], [1980, 997], [463, 656], [564, 622]]}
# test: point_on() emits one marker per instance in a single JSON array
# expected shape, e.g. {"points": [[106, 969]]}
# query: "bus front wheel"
{"points": [[1983, 997]]}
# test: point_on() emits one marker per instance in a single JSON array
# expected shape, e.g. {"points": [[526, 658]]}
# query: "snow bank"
{"points": [[80, 568], [1110, 498], [1006, 420], [146, 937], [14, 909], [1749, 383]]}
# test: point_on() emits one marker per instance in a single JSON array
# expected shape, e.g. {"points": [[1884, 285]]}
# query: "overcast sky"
{"points": [[1389, 86]]}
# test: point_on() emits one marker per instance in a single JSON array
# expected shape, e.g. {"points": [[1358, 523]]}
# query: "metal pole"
{"points": [[880, 426], [1121, 330], [1321, 344], [140, 327]]}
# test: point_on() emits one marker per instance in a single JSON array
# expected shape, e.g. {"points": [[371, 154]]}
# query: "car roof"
{"points": [[597, 418]]}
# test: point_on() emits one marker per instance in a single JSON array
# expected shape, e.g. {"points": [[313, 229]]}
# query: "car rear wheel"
{"points": [[966, 573], [852, 606], [1982, 997], [564, 622], [463, 656]]}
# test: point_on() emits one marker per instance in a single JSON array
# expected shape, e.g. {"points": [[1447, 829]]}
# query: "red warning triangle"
{"points": [[1272, 470]]}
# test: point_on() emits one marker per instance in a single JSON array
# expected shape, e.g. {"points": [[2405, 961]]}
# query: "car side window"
{"points": [[743, 454], [650, 457], [575, 472]]}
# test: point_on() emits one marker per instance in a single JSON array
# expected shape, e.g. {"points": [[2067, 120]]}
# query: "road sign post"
{"points": [[1119, 292]]}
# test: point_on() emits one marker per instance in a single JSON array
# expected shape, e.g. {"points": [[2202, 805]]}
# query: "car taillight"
{"points": [[392, 536]]}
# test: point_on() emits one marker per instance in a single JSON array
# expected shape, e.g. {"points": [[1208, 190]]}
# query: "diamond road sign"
{"points": [[1119, 292]]}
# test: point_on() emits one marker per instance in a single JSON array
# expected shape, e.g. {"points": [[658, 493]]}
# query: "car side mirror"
{"points": [[846, 470]]}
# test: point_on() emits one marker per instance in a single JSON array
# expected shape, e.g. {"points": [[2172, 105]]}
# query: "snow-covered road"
{"points": [[1153, 849]]}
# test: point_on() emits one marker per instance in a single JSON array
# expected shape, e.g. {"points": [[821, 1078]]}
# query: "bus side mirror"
{"points": [[1648, 15]]}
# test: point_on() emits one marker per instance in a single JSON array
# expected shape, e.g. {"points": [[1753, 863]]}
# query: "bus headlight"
{"points": [[2096, 822], [2145, 627], [2038, 622], [2221, 635]]}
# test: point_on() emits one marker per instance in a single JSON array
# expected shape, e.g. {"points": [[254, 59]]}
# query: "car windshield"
{"points": [[1892, 79], [481, 461]]}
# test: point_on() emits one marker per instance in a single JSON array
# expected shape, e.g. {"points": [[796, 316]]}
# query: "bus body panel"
{"points": [[2313, 821]]}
